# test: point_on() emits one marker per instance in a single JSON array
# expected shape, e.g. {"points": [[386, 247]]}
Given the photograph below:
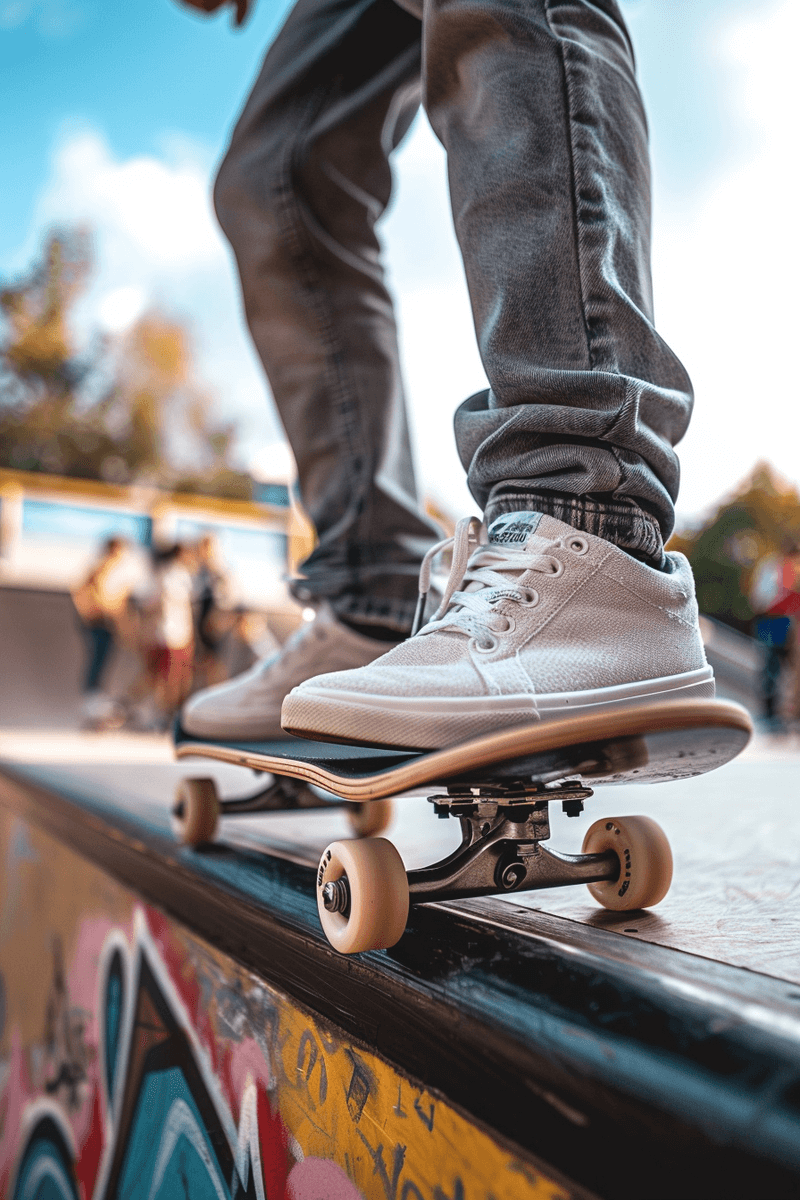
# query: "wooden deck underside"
{"points": [[667, 741]]}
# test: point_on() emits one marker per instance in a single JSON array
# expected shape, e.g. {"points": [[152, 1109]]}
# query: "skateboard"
{"points": [[499, 786]]}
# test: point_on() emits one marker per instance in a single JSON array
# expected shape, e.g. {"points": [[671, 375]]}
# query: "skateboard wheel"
{"points": [[370, 818], [645, 860], [196, 811], [372, 893]]}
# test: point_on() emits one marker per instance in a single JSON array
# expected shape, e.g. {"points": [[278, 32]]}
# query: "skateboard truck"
{"points": [[364, 891], [502, 829], [198, 807]]}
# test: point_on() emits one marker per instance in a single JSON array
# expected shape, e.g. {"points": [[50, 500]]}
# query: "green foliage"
{"points": [[128, 411], [760, 521]]}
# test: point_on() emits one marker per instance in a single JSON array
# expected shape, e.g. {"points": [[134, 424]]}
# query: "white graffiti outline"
{"points": [[34, 1112], [243, 1140], [114, 941], [49, 1169], [181, 1122]]}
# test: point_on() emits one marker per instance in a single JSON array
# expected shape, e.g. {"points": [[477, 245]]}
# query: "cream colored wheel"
{"points": [[362, 895], [645, 862], [195, 812], [371, 818]]}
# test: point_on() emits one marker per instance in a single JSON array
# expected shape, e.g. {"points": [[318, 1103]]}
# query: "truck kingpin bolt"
{"points": [[336, 895]]}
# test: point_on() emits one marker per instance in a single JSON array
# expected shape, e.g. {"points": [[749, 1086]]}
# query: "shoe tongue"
{"points": [[526, 530]]}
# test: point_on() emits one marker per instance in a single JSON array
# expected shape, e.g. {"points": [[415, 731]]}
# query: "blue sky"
{"points": [[115, 113], [138, 71]]}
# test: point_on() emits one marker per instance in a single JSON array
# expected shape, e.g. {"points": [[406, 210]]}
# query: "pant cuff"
{"points": [[623, 523]]}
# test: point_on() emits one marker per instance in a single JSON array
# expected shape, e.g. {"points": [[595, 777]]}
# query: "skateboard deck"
{"points": [[632, 744]]}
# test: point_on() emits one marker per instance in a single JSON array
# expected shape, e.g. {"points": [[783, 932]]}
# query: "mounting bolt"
{"points": [[336, 895]]}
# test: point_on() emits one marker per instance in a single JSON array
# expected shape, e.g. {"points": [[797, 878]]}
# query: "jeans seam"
{"points": [[568, 111]]}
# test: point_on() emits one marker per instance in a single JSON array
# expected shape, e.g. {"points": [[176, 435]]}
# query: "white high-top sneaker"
{"points": [[539, 622], [248, 708]]}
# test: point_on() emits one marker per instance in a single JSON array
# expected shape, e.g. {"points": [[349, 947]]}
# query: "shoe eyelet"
{"points": [[486, 645], [510, 624], [578, 545], [558, 568], [529, 597]]}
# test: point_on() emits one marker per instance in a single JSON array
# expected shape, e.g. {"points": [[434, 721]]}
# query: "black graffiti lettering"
{"points": [[458, 1192], [328, 1043], [398, 1109], [379, 1166], [358, 1091], [426, 1118], [64, 1038], [307, 1040], [410, 1190]]}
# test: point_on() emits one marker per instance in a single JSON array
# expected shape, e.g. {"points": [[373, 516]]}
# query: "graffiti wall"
{"points": [[138, 1062]]}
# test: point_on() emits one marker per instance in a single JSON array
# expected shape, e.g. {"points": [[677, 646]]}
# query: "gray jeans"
{"points": [[537, 105]]}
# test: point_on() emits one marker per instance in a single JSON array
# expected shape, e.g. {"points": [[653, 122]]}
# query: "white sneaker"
{"points": [[540, 622], [248, 708]]}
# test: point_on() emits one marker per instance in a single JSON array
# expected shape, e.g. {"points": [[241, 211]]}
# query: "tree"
{"points": [[761, 519], [127, 410]]}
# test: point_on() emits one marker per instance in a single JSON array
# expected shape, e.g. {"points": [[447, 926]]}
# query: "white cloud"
{"points": [[151, 216], [119, 308], [157, 243]]}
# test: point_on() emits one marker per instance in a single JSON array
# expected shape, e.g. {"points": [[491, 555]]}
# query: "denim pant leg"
{"points": [[298, 194], [537, 105]]}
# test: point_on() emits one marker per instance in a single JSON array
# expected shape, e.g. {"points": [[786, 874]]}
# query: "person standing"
{"points": [[172, 628], [101, 601]]}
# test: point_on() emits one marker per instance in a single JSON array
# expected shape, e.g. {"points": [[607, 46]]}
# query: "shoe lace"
{"points": [[481, 574]]}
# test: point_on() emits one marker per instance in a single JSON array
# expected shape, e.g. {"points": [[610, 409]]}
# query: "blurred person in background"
{"points": [[775, 595], [213, 616], [101, 601], [565, 595], [169, 621]]}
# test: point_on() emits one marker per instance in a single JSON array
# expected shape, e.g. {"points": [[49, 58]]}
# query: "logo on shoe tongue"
{"points": [[513, 528]]}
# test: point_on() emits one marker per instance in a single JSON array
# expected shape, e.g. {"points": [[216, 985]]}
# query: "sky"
{"points": [[115, 115]]}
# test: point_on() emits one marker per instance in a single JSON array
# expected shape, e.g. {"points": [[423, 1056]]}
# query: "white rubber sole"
{"points": [[430, 722]]}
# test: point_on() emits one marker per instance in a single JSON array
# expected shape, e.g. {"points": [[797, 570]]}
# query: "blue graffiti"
{"points": [[114, 1000], [46, 1171], [168, 1135]]}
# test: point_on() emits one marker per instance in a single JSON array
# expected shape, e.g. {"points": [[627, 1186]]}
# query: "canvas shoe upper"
{"points": [[536, 622], [248, 707]]}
